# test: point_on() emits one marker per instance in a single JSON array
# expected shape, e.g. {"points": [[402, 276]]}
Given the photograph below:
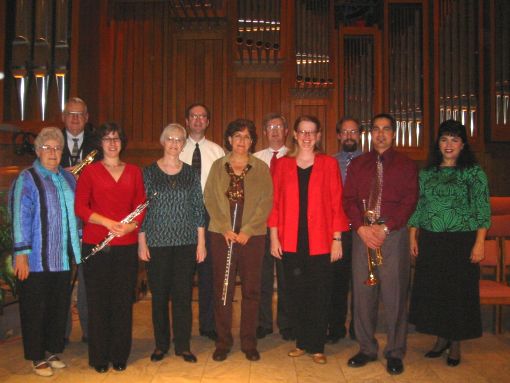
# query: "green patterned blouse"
{"points": [[174, 215], [452, 200]]}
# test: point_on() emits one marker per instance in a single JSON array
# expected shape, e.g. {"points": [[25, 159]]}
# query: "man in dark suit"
{"points": [[78, 143]]}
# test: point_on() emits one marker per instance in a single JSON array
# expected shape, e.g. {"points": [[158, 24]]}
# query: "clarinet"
{"points": [[128, 219]]}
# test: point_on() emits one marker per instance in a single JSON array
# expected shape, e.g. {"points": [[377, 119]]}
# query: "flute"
{"points": [[128, 219], [229, 262]]}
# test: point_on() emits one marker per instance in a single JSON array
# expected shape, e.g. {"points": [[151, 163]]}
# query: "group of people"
{"points": [[316, 220]]}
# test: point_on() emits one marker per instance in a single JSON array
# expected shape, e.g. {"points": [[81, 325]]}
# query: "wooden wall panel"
{"points": [[253, 98], [138, 57]]}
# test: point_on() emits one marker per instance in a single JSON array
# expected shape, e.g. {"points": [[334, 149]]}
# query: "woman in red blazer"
{"points": [[305, 225]]}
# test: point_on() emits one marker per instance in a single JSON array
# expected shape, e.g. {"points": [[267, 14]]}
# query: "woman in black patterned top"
{"points": [[172, 241]]}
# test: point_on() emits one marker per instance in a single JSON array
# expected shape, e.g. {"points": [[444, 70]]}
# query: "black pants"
{"points": [[110, 279], [205, 288], [308, 289], [43, 306], [341, 282], [170, 273]]}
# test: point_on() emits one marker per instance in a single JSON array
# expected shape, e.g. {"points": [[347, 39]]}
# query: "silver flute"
{"points": [[128, 219], [229, 262]]}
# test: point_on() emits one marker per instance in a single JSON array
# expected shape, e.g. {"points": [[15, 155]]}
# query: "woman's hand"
{"points": [[201, 252], [242, 238], [336, 251], [477, 252], [120, 229], [413, 241], [230, 236], [276, 247], [22, 269], [143, 250]]}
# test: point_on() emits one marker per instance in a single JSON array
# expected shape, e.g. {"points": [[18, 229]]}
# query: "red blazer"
{"points": [[325, 211]]}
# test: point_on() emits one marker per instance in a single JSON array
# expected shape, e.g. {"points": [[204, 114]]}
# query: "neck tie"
{"points": [[376, 191], [196, 161], [74, 152], [348, 162], [273, 160]]}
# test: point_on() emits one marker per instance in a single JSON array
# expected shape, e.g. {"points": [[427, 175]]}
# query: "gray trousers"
{"points": [[393, 287], [81, 304], [269, 265]]}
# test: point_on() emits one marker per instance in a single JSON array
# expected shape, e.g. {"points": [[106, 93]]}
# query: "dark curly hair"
{"points": [[107, 128], [237, 126], [466, 158]]}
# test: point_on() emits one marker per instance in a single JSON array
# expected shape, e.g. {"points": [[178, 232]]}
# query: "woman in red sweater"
{"points": [[107, 191], [305, 227]]}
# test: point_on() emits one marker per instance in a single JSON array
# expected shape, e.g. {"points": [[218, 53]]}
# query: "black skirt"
{"points": [[445, 299]]}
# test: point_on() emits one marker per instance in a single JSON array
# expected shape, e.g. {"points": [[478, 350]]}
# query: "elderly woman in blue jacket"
{"points": [[46, 242]]}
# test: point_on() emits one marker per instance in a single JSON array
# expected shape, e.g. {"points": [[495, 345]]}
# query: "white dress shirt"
{"points": [[70, 143], [266, 154], [209, 152]]}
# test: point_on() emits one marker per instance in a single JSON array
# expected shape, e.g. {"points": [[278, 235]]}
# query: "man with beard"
{"points": [[276, 131], [200, 153], [348, 133], [384, 182]]}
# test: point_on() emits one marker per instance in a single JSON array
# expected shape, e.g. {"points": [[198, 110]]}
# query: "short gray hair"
{"points": [[75, 100], [167, 129], [49, 133]]}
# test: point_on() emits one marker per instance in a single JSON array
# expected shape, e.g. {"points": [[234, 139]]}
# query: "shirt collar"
{"points": [[200, 142]]}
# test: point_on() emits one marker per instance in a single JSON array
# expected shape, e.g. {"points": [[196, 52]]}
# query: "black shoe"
{"points": [[394, 366], [157, 355], [438, 353], [360, 359], [101, 368], [287, 334], [452, 362], [262, 332], [119, 366], [209, 334], [187, 356], [219, 355], [252, 355]]}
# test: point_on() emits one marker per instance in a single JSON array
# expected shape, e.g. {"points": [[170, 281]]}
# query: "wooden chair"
{"points": [[500, 205], [496, 291]]}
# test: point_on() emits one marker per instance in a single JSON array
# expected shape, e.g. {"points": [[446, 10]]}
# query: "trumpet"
{"points": [[369, 218], [86, 161], [128, 219]]}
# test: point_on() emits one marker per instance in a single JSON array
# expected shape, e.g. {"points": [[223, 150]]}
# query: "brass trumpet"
{"points": [[86, 161], [369, 218]]}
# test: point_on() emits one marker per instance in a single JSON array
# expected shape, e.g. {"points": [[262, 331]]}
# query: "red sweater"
{"points": [[325, 212], [98, 192]]}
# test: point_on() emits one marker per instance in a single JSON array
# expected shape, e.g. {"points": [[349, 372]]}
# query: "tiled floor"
{"points": [[483, 360]]}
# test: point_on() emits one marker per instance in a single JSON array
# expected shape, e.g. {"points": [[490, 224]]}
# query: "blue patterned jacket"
{"points": [[44, 225]]}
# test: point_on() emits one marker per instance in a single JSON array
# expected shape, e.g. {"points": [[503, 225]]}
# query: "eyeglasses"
{"points": [[274, 127], [352, 132], [75, 114], [174, 140], [305, 133], [241, 137], [109, 140], [49, 148], [378, 129], [198, 116]]}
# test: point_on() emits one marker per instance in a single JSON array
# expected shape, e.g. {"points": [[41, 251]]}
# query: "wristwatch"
{"points": [[386, 230], [339, 239]]}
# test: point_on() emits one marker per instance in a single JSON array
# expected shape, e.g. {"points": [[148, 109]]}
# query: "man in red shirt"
{"points": [[385, 182]]}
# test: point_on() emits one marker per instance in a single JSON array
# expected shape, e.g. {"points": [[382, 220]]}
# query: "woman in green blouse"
{"points": [[447, 234], [172, 241]]}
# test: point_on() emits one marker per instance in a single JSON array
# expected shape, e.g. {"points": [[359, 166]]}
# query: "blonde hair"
{"points": [[294, 149], [167, 129]]}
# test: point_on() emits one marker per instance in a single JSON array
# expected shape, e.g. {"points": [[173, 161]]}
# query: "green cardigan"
{"points": [[258, 197]]}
